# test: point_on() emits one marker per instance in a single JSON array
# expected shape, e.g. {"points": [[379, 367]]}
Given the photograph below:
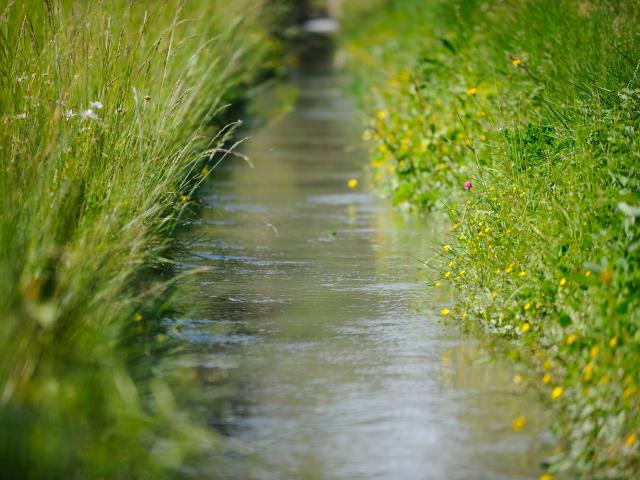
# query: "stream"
{"points": [[319, 348]]}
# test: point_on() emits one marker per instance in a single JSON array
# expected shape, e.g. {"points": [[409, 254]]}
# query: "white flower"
{"points": [[97, 105], [22, 78], [21, 116], [88, 113], [69, 114]]}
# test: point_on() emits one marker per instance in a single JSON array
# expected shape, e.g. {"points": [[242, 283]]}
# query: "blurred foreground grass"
{"points": [[105, 110], [520, 120]]}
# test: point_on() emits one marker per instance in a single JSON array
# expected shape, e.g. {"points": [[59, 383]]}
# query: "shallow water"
{"points": [[318, 347]]}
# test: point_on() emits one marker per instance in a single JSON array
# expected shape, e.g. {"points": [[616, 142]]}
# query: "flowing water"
{"points": [[319, 350]]}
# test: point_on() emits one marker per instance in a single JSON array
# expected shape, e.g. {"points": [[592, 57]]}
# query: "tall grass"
{"points": [[536, 104], [105, 110]]}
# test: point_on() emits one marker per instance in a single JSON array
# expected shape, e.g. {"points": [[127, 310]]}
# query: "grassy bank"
{"points": [[520, 121], [105, 110]]}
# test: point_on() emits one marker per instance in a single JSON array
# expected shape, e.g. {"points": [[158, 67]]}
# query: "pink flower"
{"points": [[468, 185]]}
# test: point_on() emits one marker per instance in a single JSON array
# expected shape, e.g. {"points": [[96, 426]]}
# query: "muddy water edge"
{"points": [[312, 344]]}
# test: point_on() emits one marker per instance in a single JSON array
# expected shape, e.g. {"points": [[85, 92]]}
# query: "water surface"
{"points": [[318, 346]]}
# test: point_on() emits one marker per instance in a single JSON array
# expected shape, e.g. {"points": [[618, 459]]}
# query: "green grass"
{"points": [[537, 103], [105, 110]]}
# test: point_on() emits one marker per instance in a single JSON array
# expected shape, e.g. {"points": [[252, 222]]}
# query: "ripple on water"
{"points": [[342, 199]]}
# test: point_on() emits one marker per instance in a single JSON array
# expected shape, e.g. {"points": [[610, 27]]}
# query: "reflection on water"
{"points": [[319, 354]]}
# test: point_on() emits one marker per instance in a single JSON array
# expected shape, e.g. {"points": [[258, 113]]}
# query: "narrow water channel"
{"points": [[320, 352]]}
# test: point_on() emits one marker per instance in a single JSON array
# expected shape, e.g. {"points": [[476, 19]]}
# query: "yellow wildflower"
{"points": [[545, 476], [437, 284], [382, 115], [494, 293], [629, 391], [509, 269], [522, 274], [606, 275], [570, 339], [546, 379], [184, 198], [444, 312], [525, 327], [556, 393], [516, 62], [472, 91], [527, 306], [137, 317], [563, 282], [587, 373], [518, 423], [205, 171], [613, 342], [447, 248], [547, 364], [447, 275], [353, 183], [593, 353], [587, 273], [631, 439]]}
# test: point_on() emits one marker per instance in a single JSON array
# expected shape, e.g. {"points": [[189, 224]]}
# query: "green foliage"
{"points": [[105, 110], [536, 103]]}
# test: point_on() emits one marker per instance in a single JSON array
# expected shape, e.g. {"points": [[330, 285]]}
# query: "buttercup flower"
{"points": [[518, 423], [631, 439], [556, 393]]}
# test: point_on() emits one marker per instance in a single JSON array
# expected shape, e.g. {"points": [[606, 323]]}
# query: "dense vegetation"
{"points": [[105, 110], [520, 120]]}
